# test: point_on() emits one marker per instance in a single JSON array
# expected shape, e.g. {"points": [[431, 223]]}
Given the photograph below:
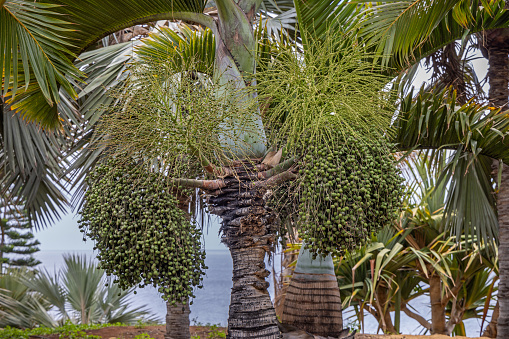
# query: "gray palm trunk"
{"points": [[248, 230], [247, 225], [177, 321], [312, 301], [496, 43], [503, 252]]}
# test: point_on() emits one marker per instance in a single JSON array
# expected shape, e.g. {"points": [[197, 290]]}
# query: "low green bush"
{"points": [[69, 331]]}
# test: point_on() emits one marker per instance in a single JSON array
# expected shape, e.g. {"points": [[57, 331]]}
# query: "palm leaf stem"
{"points": [[198, 18]]}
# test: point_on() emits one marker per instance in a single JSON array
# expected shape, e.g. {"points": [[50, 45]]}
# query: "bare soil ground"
{"points": [[407, 336], [157, 332]]}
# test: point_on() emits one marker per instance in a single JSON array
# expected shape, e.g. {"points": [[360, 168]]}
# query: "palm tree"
{"points": [[79, 293], [19, 305], [312, 300], [58, 45], [406, 35], [385, 275], [234, 57]]}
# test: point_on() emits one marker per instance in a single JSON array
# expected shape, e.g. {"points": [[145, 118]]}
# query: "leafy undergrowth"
{"points": [[69, 331], [121, 331]]}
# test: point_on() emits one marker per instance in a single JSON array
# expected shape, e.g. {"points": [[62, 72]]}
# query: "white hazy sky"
{"points": [[65, 235]]}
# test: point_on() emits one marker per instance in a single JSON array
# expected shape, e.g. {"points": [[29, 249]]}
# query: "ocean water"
{"points": [[211, 302], [209, 306]]}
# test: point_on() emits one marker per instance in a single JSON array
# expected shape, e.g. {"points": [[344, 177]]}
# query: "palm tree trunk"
{"points": [[437, 309], [503, 255], [285, 277], [177, 321], [312, 301], [497, 47], [247, 229]]}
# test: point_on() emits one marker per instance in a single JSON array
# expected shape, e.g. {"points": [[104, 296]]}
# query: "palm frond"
{"points": [[406, 31], [475, 134], [35, 57], [433, 120], [318, 18], [44, 52], [182, 48], [82, 281], [32, 166], [49, 287], [19, 306], [470, 206]]}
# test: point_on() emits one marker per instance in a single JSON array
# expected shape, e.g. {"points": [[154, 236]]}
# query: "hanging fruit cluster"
{"points": [[143, 237], [347, 189]]}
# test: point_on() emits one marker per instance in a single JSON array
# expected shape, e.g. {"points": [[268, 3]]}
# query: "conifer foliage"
{"points": [[17, 242]]}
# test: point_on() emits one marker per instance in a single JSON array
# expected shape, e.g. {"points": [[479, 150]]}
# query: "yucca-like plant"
{"points": [[21, 306], [81, 293]]}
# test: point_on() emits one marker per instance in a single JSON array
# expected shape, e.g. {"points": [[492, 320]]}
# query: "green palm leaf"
{"points": [[96, 19], [35, 58], [433, 121], [188, 47], [407, 31], [318, 18], [32, 165], [49, 34]]}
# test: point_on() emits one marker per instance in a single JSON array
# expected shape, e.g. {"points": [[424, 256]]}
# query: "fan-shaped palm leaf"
{"points": [[32, 165], [433, 121], [19, 306]]}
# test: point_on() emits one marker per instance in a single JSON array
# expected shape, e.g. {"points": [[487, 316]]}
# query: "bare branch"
{"points": [[415, 316], [205, 184]]}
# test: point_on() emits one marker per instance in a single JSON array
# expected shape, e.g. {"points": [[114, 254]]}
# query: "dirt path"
{"points": [[157, 332], [407, 336]]}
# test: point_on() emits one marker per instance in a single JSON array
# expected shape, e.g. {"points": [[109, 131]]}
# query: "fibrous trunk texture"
{"points": [[248, 231], [285, 277], [497, 45], [437, 308], [177, 321], [503, 253], [312, 301]]}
